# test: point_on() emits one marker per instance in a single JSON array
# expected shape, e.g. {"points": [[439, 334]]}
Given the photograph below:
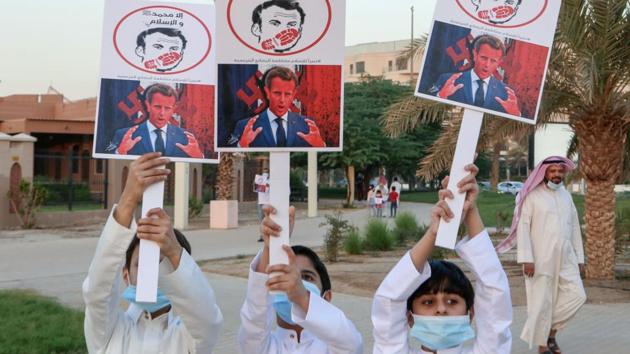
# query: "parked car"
{"points": [[484, 185], [509, 187]]}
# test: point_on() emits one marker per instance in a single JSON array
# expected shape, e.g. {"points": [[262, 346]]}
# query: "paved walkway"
{"points": [[56, 267]]}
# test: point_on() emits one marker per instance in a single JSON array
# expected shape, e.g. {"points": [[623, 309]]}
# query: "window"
{"points": [[351, 69], [401, 64], [390, 66], [360, 67]]}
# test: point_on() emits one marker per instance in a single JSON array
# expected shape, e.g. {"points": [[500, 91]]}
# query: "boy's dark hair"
{"points": [[319, 266], [446, 277], [394, 188], [136, 241]]}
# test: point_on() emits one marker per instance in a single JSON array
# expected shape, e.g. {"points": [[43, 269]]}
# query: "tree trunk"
{"points": [[600, 144], [226, 176], [495, 172], [350, 187]]}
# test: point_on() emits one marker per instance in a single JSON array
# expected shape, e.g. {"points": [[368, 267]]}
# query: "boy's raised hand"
{"points": [[157, 227], [143, 172], [289, 281], [269, 228]]}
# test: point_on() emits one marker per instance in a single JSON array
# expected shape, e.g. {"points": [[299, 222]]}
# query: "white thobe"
{"points": [[191, 326], [492, 303], [549, 236], [326, 329]]}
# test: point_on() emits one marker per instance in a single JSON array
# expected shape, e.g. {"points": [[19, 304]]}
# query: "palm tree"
{"points": [[226, 176], [588, 86]]}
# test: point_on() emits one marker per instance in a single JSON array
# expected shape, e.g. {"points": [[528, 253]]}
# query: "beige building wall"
{"points": [[379, 59], [16, 154]]}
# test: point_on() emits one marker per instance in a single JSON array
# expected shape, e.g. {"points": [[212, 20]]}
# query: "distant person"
{"points": [[547, 230], [434, 302], [277, 126], [478, 86], [301, 318], [393, 202], [261, 187], [156, 133], [378, 203], [371, 199], [398, 186], [185, 318]]}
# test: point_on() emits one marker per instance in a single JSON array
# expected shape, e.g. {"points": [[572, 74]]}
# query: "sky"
{"points": [[57, 43]]}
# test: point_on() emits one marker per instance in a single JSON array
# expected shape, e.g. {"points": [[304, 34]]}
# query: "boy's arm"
{"points": [[329, 324], [192, 299], [257, 317], [101, 288], [492, 304], [389, 307]]}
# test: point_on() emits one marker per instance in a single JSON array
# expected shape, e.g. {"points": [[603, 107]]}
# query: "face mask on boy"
{"points": [[130, 296], [441, 332], [283, 306]]}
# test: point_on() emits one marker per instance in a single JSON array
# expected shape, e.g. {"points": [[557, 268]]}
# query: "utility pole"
{"points": [[412, 52]]}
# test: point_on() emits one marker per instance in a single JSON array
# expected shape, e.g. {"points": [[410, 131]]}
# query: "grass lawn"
{"points": [[34, 324]]}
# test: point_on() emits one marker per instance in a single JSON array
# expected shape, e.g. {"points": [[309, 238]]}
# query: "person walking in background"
{"points": [[371, 195], [378, 203], [393, 202]]}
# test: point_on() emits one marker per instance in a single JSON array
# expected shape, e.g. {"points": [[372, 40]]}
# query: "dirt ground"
{"points": [[361, 274]]}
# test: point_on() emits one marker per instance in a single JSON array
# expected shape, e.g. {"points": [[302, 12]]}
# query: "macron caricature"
{"points": [[160, 49], [278, 25]]}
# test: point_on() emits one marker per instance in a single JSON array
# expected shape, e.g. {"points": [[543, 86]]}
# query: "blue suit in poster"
{"points": [[174, 135], [295, 122], [466, 95]]}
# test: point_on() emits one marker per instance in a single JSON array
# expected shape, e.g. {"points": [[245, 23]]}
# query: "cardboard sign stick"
{"points": [[149, 254], [279, 166], [464, 155]]}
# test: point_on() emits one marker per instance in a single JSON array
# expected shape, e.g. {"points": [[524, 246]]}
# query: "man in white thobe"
{"points": [[550, 249]]}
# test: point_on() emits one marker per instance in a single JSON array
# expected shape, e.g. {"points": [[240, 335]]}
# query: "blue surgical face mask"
{"points": [[554, 186], [130, 296], [441, 332], [283, 306]]}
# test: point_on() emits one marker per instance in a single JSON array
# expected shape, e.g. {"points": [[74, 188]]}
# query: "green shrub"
{"points": [[195, 206], [353, 244], [377, 236], [405, 227], [338, 228]]}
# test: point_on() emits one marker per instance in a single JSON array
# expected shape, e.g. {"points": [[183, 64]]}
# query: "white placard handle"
{"points": [[464, 155], [149, 254], [279, 190]]}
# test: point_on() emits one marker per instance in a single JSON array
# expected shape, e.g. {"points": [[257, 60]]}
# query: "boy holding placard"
{"points": [[306, 320], [435, 302], [185, 318]]}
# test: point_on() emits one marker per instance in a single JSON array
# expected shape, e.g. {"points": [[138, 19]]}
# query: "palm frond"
{"points": [[405, 115]]}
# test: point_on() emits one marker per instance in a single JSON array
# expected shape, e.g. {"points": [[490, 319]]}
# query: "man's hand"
{"points": [[313, 138], [469, 186], [290, 281], [143, 172], [528, 269], [157, 227], [192, 149], [449, 87], [249, 134], [127, 143], [511, 104]]}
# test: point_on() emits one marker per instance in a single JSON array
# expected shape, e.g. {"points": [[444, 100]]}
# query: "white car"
{"points": [[510, 187]]}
